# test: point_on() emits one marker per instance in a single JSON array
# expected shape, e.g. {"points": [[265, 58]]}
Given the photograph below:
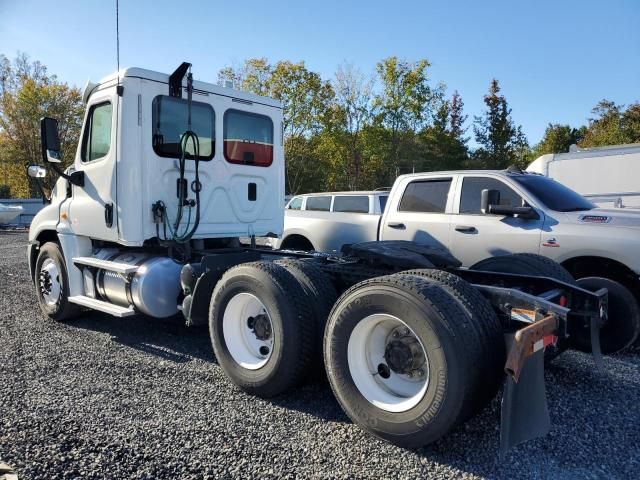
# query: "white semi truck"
{"points": [[171, 172]]}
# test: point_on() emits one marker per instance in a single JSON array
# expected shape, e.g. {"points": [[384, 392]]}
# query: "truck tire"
{"points": [[320, 294], [623, 325], [52, 284], [486, 323], [261, 328], [399, 359], [530, 264]]}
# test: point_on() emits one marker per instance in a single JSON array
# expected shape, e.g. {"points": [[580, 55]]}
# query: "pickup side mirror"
{"points": [[490, 204], [36, 171], [488, 199], [50, 140]]}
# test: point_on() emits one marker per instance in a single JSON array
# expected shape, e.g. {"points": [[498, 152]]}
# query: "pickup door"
{"points": [[476, 236], [419, 210]]}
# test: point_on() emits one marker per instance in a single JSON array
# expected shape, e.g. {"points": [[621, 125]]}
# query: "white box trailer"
{"points": [[608, 176]]}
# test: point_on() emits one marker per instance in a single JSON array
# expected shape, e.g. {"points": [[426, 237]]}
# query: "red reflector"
{"points": [[563, 301], [549, 340]]}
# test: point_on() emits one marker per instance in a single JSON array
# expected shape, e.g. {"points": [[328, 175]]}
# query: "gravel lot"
{"points": [[140, 398]]}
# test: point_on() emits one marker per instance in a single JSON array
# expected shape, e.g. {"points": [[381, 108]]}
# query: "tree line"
{"points": [[353, 131]]}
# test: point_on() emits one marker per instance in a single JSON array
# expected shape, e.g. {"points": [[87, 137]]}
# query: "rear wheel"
{"points": [[52, 284], [623, 324], [488, 330], [261, 328], [399, 360], [320, 295]]}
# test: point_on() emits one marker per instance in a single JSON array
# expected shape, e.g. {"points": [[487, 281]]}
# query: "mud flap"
{"points": [[524, 414]]}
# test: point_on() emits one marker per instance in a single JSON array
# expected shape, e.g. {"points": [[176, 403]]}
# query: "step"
{"points": [[123, 268], [106, 307]]}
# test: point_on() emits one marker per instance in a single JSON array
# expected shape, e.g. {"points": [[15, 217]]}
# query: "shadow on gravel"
{"points": [[587, 409], [167, 338]]}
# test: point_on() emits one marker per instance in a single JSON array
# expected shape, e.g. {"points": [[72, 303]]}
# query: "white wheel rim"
{"points": [[243, 343], [366, 352], [49, 282]]}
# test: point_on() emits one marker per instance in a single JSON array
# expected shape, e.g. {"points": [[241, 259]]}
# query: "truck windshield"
{"points": [[553, 194]]}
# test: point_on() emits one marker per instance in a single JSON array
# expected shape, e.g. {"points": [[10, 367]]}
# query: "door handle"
{"points": [[465, 229], [398, 225]]}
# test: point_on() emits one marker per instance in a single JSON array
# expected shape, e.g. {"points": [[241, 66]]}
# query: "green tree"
{"points": [[405, 104], [558, 138], [28, 93], [443, 144], [612, 125], [351, 113], [502, 143]]}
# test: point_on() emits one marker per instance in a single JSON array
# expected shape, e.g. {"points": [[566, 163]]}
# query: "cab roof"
{"points": [[135, 72]]}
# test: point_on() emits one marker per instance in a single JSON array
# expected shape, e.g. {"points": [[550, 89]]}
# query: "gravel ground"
{"points": [[140, 398]]}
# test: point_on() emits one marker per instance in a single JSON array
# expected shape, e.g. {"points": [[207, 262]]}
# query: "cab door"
{"points": [[476, 236], [421, 213], [93, 211]]}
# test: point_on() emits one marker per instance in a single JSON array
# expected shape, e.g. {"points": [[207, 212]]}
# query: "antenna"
{"points": [[118, 38]]}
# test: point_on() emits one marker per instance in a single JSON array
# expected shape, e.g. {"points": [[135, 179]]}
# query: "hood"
{"points": [[614, 217]]}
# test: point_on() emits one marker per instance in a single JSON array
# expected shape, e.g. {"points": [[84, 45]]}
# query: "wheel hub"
{"points": [[260, 325], [49, 282], [403, 352]]}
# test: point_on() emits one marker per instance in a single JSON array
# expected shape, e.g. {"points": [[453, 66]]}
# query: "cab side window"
{"points": [[426, 196], [351, 203], [170, 119], [472, 190], [97, 134], [248, 138], [295, 204], [319, 204]]}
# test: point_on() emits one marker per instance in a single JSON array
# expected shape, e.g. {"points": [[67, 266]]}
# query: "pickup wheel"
{"points": [[261, 328], [623, 325], [530, 264], [487, 327], [399, 359], [52, 284], [526, 264]]}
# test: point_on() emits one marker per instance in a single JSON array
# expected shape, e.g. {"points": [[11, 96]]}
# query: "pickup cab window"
{"points": [[383, 202], [472, 191], [295, 204], [318, 204], [351, 203], [426, 196], [248, 138]]}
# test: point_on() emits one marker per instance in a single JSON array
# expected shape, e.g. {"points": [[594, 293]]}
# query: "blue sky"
{"points": [[554, 59]]}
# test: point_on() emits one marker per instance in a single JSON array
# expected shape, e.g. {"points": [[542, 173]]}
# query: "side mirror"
{"points": [[36, 171], [50, 140], [488, 199], [490, 204]]}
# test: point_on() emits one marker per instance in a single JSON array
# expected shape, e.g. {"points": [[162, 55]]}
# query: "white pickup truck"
{"points": [[479, 216]]}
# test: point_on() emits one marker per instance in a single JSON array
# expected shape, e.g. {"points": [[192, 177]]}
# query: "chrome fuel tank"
{"points": [[153, 289]]}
